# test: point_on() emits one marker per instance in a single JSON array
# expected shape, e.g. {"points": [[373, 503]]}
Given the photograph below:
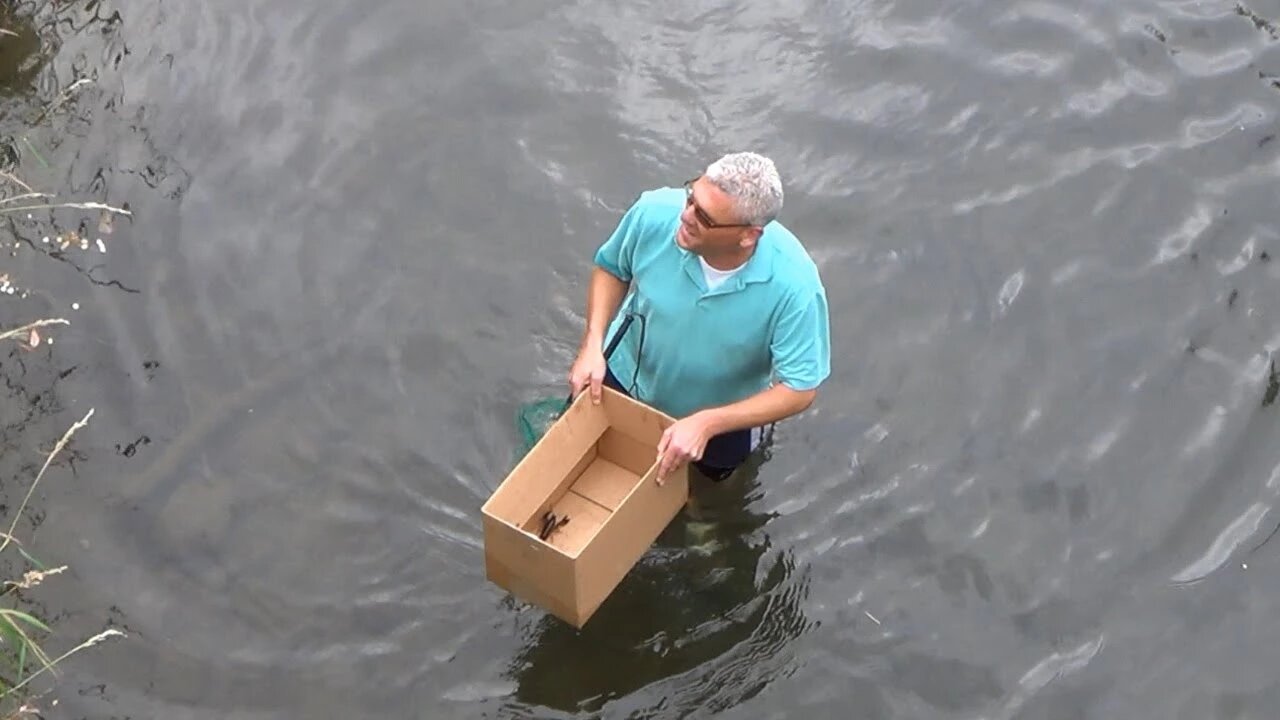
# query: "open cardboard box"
{"points": [[597, 465]]}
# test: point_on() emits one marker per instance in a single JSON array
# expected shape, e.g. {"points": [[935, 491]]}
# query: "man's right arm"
{"points": [[604, 296], [611, 276]]}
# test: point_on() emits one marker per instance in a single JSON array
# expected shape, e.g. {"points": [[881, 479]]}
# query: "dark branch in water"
{"points": [[105, 283], [1273, 386], [62, 256], [1259, 22]]}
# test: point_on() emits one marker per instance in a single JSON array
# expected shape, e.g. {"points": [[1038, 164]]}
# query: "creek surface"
{"points": [[1038, 485]]}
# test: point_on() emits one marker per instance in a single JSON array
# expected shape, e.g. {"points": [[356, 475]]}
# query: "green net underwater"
{"points": [[534, 419]]}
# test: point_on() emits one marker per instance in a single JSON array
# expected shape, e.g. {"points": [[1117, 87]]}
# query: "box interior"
{"points": [[602, 478], [583, 469], [594, 466]]}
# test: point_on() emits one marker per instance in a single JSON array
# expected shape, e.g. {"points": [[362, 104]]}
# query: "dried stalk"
{"points": [[14, 179], [26, 640], [32, 578], [49, 666], [78, 206], [26, 196], [20, 332], [56, 448], [66, 94]]}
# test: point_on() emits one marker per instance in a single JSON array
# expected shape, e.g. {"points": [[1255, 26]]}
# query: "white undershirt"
{"points": [[715, 278]]}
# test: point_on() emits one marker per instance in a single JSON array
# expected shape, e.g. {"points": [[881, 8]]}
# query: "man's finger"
{"points": [[577, 383], [674, 457], [596, 383], [664, 468], [663, 442]]}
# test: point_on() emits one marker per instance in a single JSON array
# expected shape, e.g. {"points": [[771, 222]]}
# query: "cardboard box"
{"points": [[597, 465]]}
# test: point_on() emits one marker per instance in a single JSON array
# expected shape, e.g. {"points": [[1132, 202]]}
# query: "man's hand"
{"points": [[603, 298], [683, 442], [588, 372], [687, 438]]}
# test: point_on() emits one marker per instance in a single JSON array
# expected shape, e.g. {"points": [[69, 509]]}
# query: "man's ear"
{"points": [[750, 236]]}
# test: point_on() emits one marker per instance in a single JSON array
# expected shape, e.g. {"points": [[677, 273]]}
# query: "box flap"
{"points": [[545, 470], [635, 419]]}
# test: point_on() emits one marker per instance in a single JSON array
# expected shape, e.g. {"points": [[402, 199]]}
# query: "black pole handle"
{"points": [[608, 351]]}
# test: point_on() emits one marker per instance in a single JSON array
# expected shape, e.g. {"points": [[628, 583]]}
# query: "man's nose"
{"points": [[688, 218]]}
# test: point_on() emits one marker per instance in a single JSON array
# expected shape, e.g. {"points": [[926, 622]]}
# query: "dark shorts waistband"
{"points": [[723, 454]]}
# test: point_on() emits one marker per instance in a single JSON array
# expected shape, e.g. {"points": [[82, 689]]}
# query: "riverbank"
{"points": [[37, 228]]}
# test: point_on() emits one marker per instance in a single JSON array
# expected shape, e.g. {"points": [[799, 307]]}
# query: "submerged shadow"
{"points": [[702, 620]]}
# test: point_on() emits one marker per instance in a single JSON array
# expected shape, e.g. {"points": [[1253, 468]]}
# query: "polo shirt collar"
{"points": [[759, 268]]}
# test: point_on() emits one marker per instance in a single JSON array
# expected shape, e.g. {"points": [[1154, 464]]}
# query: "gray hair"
{"points": [[753, 183]]}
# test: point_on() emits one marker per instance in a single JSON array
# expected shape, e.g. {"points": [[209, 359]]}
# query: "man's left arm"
{"points": [[801, 351], [777, 403]]}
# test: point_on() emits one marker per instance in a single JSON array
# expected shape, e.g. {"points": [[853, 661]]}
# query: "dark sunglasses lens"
{"points": [[698, 212]]}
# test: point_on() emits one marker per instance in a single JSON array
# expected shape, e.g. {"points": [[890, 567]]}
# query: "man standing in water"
{"points": [[730, 332]]}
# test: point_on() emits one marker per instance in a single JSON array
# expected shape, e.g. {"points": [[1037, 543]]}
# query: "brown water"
{"points": [[1038, 485]]}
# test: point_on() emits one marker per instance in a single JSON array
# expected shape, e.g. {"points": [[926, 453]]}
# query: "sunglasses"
{"points": [[703, 218]]}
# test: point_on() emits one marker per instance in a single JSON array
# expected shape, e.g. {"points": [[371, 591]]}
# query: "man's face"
{"points": [[707, 224]]}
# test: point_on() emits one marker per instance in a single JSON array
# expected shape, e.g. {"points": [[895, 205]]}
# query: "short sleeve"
{"points": [[618, 252], [801, 343]]}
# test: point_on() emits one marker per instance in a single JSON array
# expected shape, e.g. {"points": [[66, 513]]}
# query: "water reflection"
{"points": [[707, 615], [22, 53], [33, 33]]}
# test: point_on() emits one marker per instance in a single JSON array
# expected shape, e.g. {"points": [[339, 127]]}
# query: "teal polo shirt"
{"points": [[690, 348]]}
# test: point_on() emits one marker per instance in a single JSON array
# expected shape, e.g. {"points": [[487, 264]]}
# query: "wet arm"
{"points": [[604, 296], [768, 406]]}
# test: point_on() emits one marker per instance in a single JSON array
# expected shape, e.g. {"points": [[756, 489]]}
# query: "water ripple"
{"points": [[1009, 291], [1072, 20], [1203, 65], [1050, 669], [1027, 62], [1179, 242], [1228, 541], [1047, 233]]}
